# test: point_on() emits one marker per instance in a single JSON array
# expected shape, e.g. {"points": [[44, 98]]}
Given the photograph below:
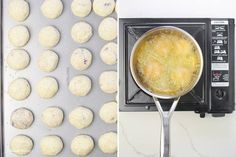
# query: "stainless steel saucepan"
{"points": [[165, 115]]}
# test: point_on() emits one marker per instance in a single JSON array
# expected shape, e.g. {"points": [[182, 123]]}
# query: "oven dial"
{"points": [[220, 93]]}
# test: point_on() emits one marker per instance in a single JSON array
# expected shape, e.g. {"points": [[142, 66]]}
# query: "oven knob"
{"points": [[220, 93]]}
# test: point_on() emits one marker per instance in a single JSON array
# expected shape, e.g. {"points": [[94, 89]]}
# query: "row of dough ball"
{"points": [[81, 117], [49, 36], [19, 10], [52, 145], [81, 32], [81, 58], [47, 87]]}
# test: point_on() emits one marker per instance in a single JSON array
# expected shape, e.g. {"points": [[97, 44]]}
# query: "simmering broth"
{"points": [[167, 62]]}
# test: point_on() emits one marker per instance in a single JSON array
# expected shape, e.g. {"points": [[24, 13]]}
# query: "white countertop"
{"points": [[191, 136]]}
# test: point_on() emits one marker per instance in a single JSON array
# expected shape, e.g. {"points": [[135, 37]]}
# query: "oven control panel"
{"points": [[221, 68], [219, 54]]}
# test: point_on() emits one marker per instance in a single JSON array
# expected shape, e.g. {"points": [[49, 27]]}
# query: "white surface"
{"points": [[190, 135], [177, 8]]}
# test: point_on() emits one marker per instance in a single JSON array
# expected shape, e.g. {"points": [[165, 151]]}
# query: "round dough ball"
{"points": [[52, 117], [52, 8], [81, 117], [108, 53], [107, 29], [108, 112], [81, 59], [18, 59], [51, 145], [108, 81], [21, 145], [18, 10], [49, 36], [22, 118], [47, 87], [48, 61], [103, 7], [82, 145], [108, 142], [81, 8], [19, 89], [19, 36], [80, 85], [81, 32]]}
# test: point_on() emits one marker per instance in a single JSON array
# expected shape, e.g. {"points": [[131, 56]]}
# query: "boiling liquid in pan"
{"points": [[167, 62]]}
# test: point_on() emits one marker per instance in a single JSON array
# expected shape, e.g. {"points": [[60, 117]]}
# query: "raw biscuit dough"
{"points": [[108, 53], [52, 8], [81, 32], [48, 61], [81, 59], [19, 89], [49, 36], [108, 112], [107, 29], [21, 145], [52, 117], [18, 59], [81, 8], [18, 36], [47, 87], [81, 117], [18, 10], [80, 85], [82, 145], [108, 81], [51, 145], [103, 7], [22, 118], [108, 142]]}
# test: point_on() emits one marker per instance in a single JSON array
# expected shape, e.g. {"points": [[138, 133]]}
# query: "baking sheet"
{"points": [[64, 72]]}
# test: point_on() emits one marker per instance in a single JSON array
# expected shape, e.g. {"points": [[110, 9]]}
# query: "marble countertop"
{"points": [[191, 136]]}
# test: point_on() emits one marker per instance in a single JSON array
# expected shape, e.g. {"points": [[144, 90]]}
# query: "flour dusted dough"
{"points": [[81, 8], [107, 29], [49, 36], [81, 117], [52, 8], [81, 59], [103, 7], [108, 81], [108, 112], [19, 89], [80, 85], [22, 118], [82, 145], [48, 61], [18, 36], [18, 59], [47, 87], [81, 32], [51, 145], [108, 53], [52, 117], [21, 145], [18, 10], [108, 142]]}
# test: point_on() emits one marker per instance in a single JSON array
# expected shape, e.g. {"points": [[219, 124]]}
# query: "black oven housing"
{"points": [[208, 101]]}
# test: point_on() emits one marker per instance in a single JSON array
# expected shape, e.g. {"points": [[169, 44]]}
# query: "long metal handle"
{"points": [[165, 127]]}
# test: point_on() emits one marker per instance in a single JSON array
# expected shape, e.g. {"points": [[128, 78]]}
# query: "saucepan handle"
{"points": [[165, 127]]}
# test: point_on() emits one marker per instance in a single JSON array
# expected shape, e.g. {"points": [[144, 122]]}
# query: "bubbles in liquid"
{"points": [[167, 62]]}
